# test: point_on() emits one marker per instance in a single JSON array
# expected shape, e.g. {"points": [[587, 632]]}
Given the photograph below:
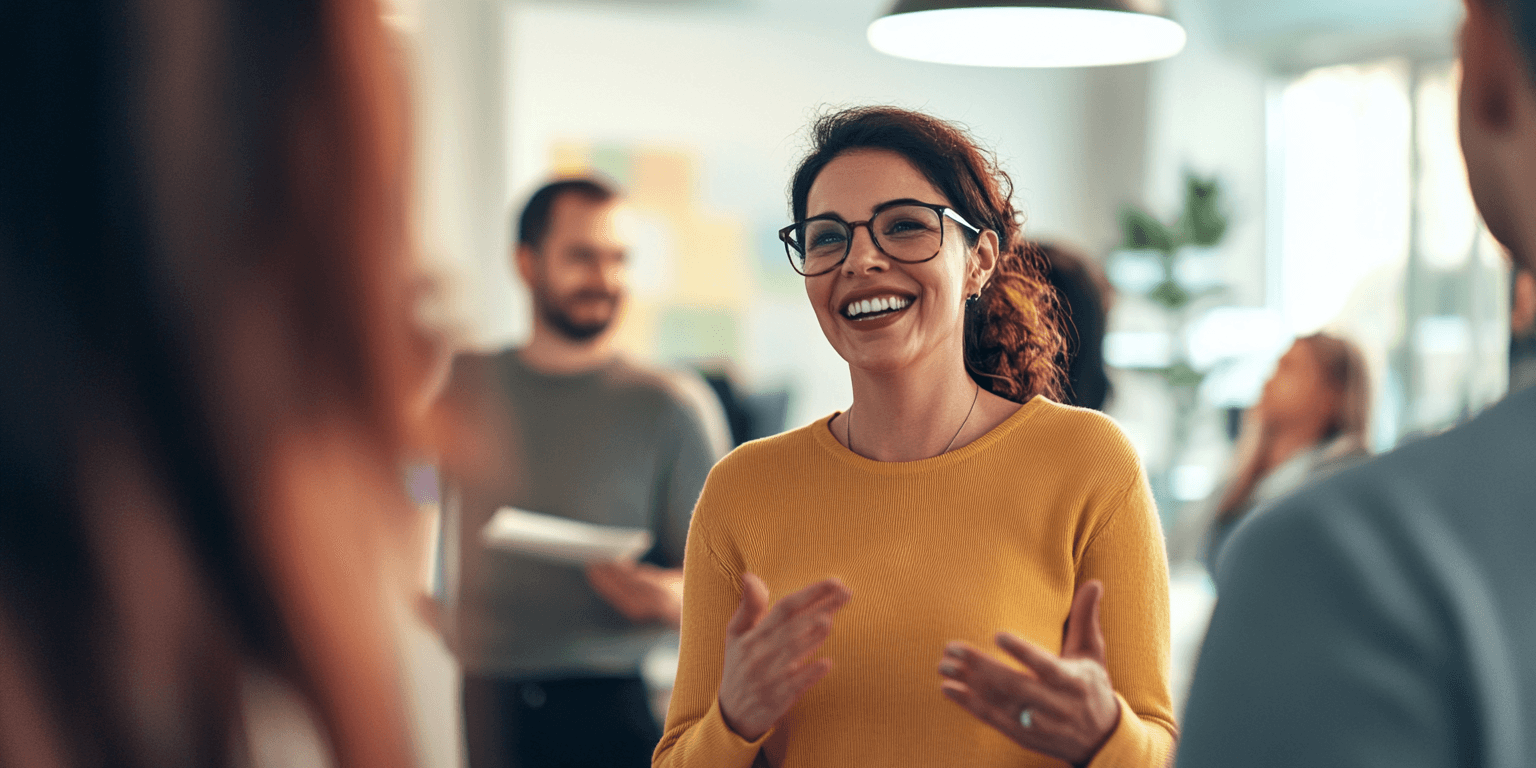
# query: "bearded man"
{"points": [[552, 651]]}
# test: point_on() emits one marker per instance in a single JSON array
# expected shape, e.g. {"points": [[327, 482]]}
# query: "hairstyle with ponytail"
{"points": [[1013, 344]]}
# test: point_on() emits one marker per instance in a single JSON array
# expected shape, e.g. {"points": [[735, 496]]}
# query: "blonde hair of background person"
{"points": [[206, 295], [1319, 395], [1317, 400], [842, 578]]}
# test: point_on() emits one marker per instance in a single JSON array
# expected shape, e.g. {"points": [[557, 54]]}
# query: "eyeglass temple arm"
{"points": [[950, 212]]}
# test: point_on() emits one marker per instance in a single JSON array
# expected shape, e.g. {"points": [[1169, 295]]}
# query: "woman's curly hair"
{"points": [[1014, 347]]}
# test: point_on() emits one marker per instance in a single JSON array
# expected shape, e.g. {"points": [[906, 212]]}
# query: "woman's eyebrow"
{"points": [[877, 207], [901, 201]]}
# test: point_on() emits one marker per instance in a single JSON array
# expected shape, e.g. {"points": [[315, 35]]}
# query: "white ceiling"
{"points": [[1287, 34], [1253, 18], [1300, 33]]}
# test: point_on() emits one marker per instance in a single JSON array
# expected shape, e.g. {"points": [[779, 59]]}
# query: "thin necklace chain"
{"points": [[848, 430]]}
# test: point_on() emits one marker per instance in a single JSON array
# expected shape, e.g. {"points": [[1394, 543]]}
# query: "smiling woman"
{"points": [[953, 505], [1012, 344]]}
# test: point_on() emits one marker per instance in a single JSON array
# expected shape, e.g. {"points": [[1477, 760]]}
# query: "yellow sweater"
{"points": [[994, 535]]}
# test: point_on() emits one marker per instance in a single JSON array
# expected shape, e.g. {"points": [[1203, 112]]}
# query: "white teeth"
{"points": [[879, 304]]}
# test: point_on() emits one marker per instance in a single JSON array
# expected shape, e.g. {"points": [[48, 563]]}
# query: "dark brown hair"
{"points": [[1081, 292], [533, 222], [204, 310], [1013, 345]]}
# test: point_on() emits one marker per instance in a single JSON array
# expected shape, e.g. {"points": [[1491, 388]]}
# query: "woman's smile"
{"points": [[876, 307], [869, 310]]}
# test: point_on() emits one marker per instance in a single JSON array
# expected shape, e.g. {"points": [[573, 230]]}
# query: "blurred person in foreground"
{"points": [[1312, 420], [1084, 295], [844, 578], [1384, 616], [212, 380], [551, 652]]}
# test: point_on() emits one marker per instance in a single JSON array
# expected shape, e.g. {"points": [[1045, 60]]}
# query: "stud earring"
{"points": [[970, 301]]}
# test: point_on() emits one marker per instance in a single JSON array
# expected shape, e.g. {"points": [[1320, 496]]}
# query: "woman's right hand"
{"points": [[765, 668]]}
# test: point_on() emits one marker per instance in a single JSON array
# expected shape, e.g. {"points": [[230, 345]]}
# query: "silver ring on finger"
{"points": [[1027, 718]]}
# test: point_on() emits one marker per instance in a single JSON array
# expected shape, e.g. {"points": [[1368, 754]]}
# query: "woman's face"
{"points": [[928, 322], [1297, 390]]}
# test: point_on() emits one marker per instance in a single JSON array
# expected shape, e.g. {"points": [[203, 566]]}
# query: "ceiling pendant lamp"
{"points": [[1028, 33]]}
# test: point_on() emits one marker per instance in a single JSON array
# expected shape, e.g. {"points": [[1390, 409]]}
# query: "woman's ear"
{"points": [[982, 263]]}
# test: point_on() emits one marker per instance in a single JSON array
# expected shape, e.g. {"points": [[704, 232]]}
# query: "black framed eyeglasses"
{"points": [[907, 231]]}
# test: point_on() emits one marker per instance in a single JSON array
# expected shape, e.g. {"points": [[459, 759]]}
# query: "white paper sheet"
{"points": [[563, 539]]}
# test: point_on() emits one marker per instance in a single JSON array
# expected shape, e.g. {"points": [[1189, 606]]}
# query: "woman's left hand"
{"points": [[1061, 706]]}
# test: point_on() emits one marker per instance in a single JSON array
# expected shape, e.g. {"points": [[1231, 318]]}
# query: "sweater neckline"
{"points": [[821, 431]]}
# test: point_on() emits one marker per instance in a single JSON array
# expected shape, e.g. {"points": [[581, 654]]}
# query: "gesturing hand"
{"points": [[1070, 705], [765, 668]]}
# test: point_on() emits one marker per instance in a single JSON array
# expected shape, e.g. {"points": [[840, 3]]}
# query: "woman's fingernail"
{"points": [[949, 669], [955, 651]]}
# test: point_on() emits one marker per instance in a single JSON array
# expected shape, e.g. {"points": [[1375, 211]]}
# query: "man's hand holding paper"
{"points": [[640, 591]]}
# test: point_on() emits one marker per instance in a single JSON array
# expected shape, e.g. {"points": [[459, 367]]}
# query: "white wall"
{"points": [[1207, 112]]}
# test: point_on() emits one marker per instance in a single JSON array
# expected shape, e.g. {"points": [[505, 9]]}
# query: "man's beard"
{"points": [[556, 314]]}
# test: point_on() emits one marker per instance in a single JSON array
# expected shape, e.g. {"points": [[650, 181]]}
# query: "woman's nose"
{"points": [[863, 254]]}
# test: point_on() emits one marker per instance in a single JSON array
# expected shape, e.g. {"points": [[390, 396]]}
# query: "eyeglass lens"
{"points": [[909, 233]]}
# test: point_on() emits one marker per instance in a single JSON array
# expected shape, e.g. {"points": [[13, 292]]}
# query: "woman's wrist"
{"points": [[735, 729], [1109, 734]]}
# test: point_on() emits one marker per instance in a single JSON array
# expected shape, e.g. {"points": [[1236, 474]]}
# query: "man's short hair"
{"points": [[533, 223]]}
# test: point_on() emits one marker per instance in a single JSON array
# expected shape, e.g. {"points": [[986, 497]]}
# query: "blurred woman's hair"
{"points": [[205, 294], [1346, 373], [1013, 346], [1083, 294]]}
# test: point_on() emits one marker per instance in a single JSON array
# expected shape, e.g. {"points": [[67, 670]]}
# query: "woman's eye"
{"points": [[826, 238], [904, 226]]}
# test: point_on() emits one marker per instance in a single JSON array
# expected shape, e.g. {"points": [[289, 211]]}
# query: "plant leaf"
{"points": [[1204, 221], [1143, 232], [1170, 295]]}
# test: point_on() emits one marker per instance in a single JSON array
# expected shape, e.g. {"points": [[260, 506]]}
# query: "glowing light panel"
{"points": [[1027, 37]]}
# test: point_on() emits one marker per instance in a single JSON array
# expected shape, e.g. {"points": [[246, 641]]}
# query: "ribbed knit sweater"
{"points": [[995, 535]]}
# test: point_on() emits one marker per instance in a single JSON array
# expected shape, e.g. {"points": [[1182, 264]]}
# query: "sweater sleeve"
{"points": [[1126, 553], [696, 734]]}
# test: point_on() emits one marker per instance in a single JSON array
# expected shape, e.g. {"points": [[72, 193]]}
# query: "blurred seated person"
{"points": [[552, 652], [213, 378], [750, 414], [1312, 419], [1083, 296]]}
